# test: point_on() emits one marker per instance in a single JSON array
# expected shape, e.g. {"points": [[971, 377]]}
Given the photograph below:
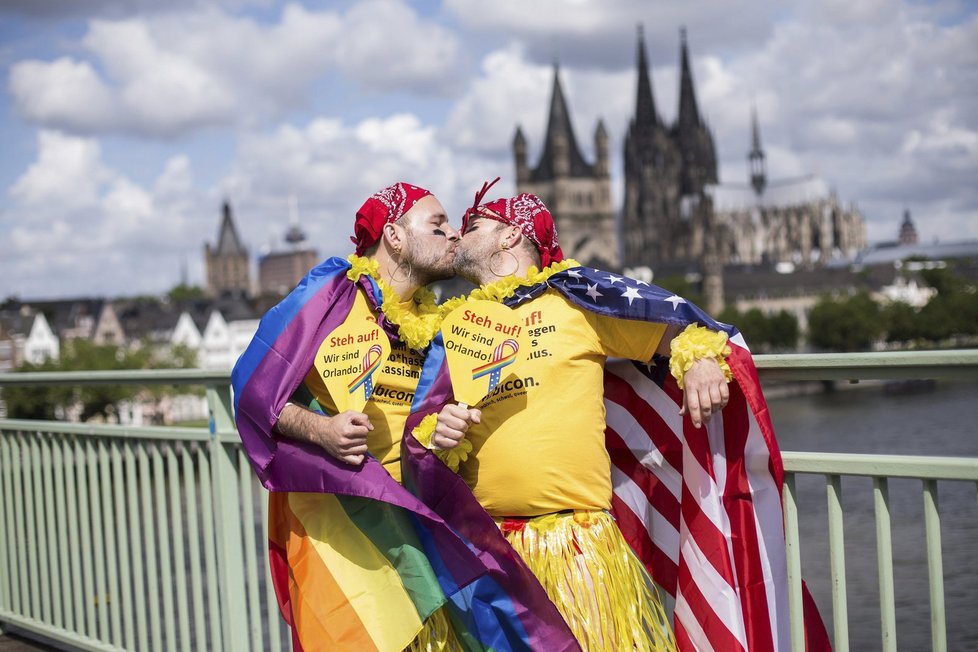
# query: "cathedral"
{"points": [[676, 213]]}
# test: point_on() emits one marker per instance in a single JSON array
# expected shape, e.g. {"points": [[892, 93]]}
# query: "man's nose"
{"points": [[451, 233]]}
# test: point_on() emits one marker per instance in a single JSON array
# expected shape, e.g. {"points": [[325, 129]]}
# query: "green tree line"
{"points": [[30, 402], [854, 323]]}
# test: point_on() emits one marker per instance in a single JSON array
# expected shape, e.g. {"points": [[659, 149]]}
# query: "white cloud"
{"points": [[67, 175], [75, 215], [174, 73], [64, 91], [600, 33]]}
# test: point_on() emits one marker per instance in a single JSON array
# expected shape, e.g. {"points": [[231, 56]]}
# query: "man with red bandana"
{"points": [[403, 242], [556, 515]]}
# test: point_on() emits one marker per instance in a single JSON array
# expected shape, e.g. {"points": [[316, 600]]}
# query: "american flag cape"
{"points": [[700, 507], [371, 515]]}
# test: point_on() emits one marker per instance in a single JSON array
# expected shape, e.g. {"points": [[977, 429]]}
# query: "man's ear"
{"points": [[511, 237], [394, 236]]}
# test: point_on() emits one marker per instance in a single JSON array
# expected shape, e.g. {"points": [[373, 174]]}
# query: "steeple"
{"points": [[228, 242], [561, 156], [519, 154], [758, 175], [295, 235], [645, 113], [692, 135], [689, 114]]}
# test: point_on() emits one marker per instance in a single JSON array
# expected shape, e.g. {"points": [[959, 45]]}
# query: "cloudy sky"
{"points": [[126, 123]]}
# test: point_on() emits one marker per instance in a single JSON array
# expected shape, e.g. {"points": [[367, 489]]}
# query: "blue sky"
{"points": [[125, 124]]}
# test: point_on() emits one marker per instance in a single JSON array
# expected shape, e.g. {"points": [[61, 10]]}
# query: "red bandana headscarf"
{"points": [[525, 211], [385, 207]]}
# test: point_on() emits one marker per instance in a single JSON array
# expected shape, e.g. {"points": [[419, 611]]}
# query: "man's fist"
{"points": [[344, 436], [453, 422]]}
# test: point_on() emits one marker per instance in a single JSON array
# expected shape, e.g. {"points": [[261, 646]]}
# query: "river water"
{"points": [[942, 420]]}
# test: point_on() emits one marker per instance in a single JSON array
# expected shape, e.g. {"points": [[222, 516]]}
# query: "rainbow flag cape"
{"points": [[362, 564], [700, 507]]}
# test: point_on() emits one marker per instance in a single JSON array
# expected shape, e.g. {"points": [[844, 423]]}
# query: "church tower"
{"points": [[577, 193], [652, 168], [228, 272], [908, 233]]}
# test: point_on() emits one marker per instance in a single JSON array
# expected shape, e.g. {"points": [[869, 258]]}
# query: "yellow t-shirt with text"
{"points": [[389, 405], [541, 447]]}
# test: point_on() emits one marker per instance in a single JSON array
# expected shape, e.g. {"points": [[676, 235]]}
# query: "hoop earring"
{"points": [[407, 275], [493, 263]]}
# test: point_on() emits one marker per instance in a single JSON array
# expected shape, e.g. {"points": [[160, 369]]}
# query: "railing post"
{"points": [[837, 560], [227, 512], [884, 557], [793, 553], [935, 567]]}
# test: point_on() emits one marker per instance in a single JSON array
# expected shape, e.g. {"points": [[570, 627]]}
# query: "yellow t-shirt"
{"points": [[540, 447], [389, 405]]}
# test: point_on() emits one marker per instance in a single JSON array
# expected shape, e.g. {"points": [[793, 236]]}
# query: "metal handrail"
{"points": [[135, 474]]}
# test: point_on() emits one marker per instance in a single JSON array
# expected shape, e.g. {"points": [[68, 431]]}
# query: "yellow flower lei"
{"points": [[696, 343], [452, 457], [505, 287], [414, 330]]}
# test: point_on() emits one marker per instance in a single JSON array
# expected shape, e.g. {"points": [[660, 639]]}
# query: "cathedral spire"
{"points": [[645, 113], [689, 114], [758, 174], [561, 155], [699, 163]]}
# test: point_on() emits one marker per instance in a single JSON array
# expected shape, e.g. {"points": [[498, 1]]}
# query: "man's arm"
{"points": [[343, 436]]}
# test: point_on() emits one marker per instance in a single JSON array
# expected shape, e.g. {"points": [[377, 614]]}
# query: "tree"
{"points": [[35, 402], [782, 331], [185, 293], [903, 323], [763, 332], [94, 400], [849, 324]]}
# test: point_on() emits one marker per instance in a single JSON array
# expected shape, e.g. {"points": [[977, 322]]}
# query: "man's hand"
{"points": [[343, 436], [705, 392], [453, 422]]}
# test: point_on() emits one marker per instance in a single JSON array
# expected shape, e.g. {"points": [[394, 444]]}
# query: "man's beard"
{"points": [[468, 264]]}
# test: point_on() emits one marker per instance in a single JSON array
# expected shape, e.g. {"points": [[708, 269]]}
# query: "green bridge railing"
{"points": [[154, 538]]}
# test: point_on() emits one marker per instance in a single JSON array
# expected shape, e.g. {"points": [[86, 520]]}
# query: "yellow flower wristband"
{"points": [[452, 457], [696, 343]]}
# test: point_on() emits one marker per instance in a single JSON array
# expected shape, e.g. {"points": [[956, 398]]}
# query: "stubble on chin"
{"points": [[467, 266]]}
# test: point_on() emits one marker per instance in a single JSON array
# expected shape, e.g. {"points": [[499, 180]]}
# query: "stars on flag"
{"points": [[631, 293], [592, 291], [675, 300]]}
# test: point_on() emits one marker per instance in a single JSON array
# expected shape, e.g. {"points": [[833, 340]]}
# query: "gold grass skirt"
{"points": [[598, 584]]}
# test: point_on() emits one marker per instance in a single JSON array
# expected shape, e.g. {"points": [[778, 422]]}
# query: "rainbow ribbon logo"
{"points": [[499, 360], [369, 366]]}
